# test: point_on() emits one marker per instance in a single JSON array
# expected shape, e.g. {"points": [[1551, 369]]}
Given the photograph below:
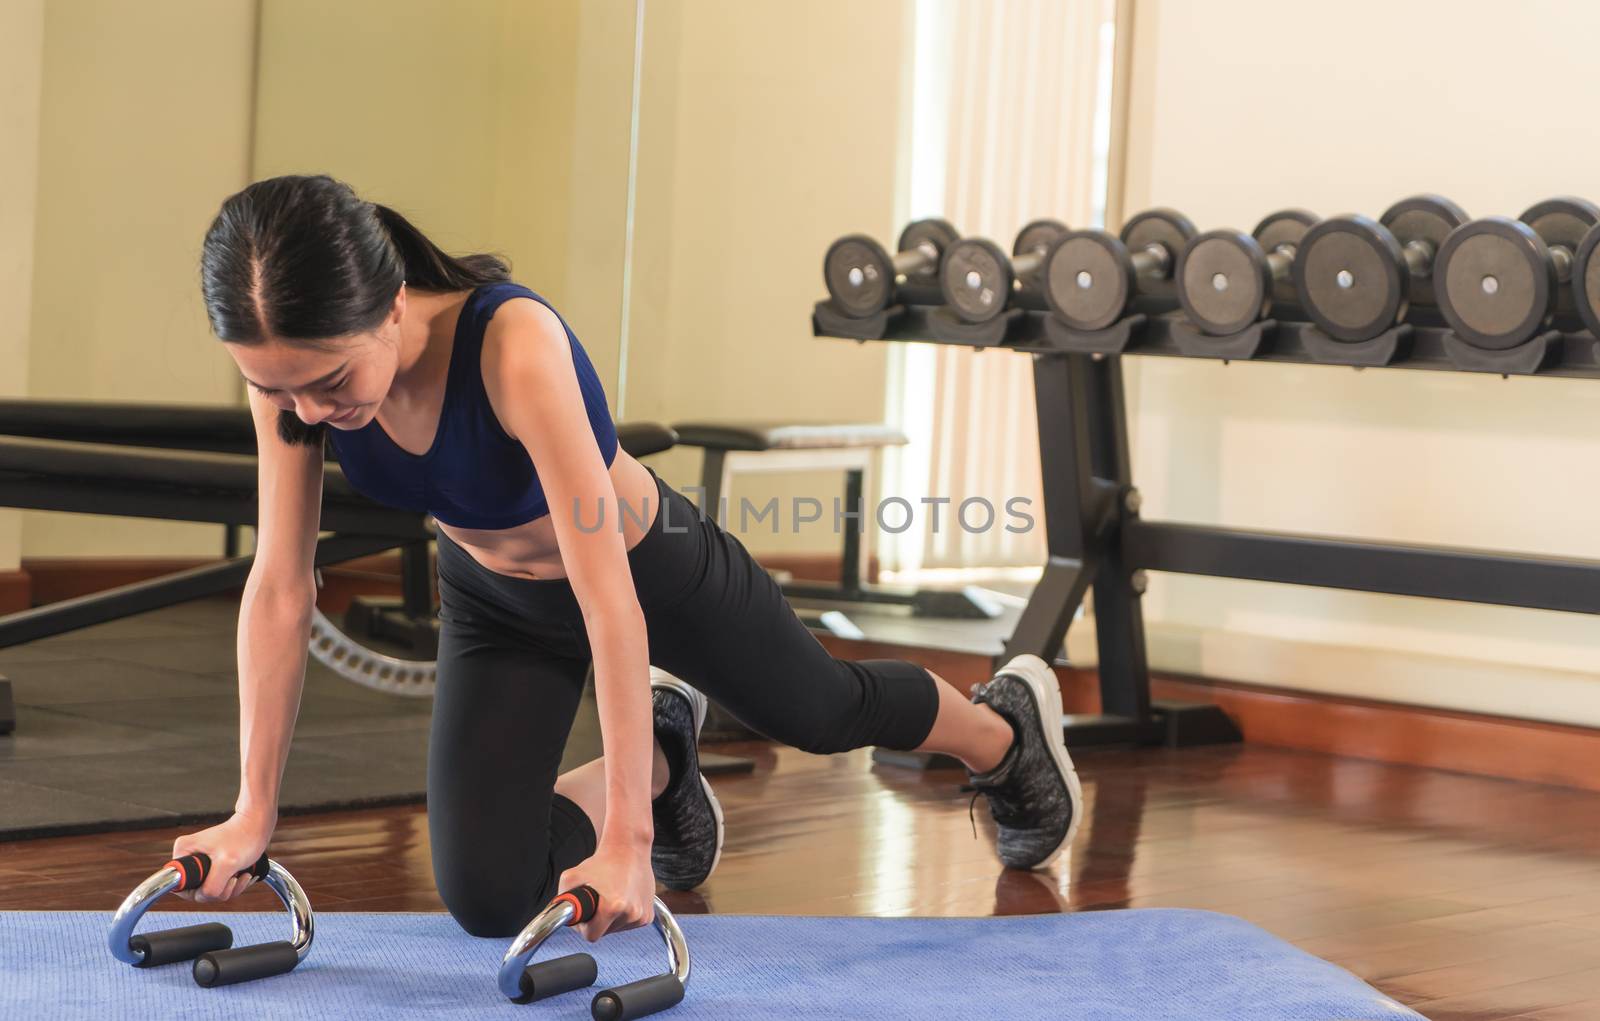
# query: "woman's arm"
{"points": [[275, 613], [274, 625], [532, 384]]}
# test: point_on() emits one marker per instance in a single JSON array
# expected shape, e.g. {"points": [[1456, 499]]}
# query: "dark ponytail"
{"points": [[302, 258]]}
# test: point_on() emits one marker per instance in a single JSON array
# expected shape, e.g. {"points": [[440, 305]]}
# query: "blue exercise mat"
{"points": [[1144, 965]]}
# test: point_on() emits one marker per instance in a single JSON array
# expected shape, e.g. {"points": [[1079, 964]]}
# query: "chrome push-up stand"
{"points": [[217, 962]]}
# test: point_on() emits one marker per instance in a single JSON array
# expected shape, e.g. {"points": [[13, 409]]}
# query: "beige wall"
{"points": [[460, 115], [21, 71], [745, 149], [463, 115], [144, 125], [767, 130], [1240, 107], [597, 206]]}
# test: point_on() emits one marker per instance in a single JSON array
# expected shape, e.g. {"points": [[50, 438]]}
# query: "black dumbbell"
{"points": [[1091, 277], [977, 279], [1586, 280], [862, 278], [1356, 278], [1563, 223], [1502, 281], [1227, 279]]}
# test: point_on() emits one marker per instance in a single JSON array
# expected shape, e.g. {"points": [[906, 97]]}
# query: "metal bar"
{"points": [[1066, 466], [107, 463], [1119, 617], [850, 566], [173, 503], [711, 476], [179, 587], [1578, 357], [416, 580], [1109, 414], [218, 428], [1042, 628], [1432, 572], [833, 593], [1065, 455], [106, 466], [126, 500]]}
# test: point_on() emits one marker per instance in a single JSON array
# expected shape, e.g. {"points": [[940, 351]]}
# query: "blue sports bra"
{"points": [[475, 475]]}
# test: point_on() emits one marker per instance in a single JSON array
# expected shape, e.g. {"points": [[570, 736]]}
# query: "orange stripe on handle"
{"points": [[585, 901], [192, 870], [577, 909], [195, 867]]}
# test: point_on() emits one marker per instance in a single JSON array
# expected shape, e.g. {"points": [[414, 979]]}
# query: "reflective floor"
{"points": [[1464, 897]]}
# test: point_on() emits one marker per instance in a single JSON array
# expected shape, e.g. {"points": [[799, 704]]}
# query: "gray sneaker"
{"points": [[688, 818], [1034, 794]]}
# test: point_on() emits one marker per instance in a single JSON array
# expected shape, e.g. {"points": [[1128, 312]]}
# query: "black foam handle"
{"points": [[183, 944], [196, 866], [551, 978], [225, 967], [637, 999]]}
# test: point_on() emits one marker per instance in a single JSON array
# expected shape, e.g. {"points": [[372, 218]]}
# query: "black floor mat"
{"points": [[135, 723]]}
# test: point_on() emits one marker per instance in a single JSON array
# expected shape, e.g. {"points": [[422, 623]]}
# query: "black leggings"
{"points": [[513, 657]]}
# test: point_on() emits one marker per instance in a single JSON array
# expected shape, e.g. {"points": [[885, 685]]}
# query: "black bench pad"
{"points": [[787, 435]]}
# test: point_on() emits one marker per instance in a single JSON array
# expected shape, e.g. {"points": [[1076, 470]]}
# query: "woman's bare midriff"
{"points": [[530, 551]]}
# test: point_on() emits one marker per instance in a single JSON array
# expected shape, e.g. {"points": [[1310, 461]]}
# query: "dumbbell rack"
{"points": [[1095, 535]]}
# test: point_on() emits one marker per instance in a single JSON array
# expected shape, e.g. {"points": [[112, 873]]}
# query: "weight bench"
{"points": [[789, 446], [786, 446], [197, 463]]}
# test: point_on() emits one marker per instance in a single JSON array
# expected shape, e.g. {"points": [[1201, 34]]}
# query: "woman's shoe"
{"points": [[688, 818], [1034, 794]]}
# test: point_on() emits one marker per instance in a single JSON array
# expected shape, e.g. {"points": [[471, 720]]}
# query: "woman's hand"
{"points": [[620, 873], [232, 845]]}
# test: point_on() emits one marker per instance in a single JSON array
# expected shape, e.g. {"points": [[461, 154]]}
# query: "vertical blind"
{"points": [[1021, 114]]}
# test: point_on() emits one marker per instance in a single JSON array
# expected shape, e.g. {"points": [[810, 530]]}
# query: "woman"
{"points": [[446, 388]]}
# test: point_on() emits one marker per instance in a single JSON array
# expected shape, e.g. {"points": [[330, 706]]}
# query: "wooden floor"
{"points": [[1463, 897]]}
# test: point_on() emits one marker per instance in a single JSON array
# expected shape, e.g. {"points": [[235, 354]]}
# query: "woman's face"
{"points": [[339, 383]]}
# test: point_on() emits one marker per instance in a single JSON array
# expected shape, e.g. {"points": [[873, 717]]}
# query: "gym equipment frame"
{"points": [[97, 478], [1096, 536], [196, 463]]}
